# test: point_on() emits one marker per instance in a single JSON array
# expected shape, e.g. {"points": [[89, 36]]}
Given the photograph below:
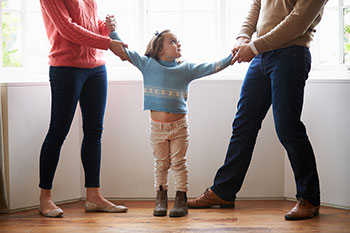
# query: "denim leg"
{"points": [[92, 103], [66, 84], [254, 102], [288, 69]]}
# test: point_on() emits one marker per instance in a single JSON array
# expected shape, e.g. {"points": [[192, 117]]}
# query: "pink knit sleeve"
{"points": [[59, 16]]}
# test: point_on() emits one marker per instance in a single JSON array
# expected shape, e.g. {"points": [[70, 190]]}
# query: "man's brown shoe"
{"points": [[209, 199], [302, 210]]}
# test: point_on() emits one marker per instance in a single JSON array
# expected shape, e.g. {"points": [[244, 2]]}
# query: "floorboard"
{"points": [[248, 216]]}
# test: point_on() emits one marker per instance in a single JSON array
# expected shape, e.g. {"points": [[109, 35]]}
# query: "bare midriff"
{"points": [[166, 116]]}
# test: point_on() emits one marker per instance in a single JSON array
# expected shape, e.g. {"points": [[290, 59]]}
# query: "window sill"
{"points": [[131, 74]]}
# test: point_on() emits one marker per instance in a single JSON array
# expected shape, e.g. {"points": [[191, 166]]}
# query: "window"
{"points": [[11, 33], [345, 17], [23, 38], [206, 30], [331, 43]]}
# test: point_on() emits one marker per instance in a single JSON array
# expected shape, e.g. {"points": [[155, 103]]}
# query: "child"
{"points": [[166, 82]]}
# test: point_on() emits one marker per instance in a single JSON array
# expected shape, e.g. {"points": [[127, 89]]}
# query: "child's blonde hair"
{"points": [[155, 45]]}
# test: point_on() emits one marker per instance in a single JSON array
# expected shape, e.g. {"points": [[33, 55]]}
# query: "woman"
{"points": [[77, 73]]}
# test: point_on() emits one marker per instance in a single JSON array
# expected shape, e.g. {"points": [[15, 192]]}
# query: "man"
{"points": [[276, 77]]}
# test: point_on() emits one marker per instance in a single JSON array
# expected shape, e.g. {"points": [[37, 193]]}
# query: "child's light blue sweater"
{"points": [[166, 83]]}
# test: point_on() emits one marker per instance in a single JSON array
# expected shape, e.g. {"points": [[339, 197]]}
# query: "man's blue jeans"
{"points": [[68, 86], [276, 77]]}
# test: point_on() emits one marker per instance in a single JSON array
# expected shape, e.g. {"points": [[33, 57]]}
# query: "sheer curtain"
{"points": [[3, 196]]}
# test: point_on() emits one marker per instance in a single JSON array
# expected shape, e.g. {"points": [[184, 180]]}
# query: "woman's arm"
{"points": [[59, 16]]}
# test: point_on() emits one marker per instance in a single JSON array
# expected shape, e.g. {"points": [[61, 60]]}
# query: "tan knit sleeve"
{"points": [[295, 25]]}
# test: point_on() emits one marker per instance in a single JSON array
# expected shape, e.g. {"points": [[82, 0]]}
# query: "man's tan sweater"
{"points": [[282, 23]]}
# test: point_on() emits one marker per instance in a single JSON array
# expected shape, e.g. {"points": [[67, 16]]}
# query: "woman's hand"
{"points": [[117, 47]]}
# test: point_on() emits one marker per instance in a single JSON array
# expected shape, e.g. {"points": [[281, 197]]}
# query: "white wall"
{"points": [[327, 118], [127, 162], [28, 120]]}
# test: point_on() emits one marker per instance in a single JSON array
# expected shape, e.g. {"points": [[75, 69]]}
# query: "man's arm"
{"points": [[297, 23]]}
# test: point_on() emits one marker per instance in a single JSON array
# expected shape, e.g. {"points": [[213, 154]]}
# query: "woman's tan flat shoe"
{"points": [[55, 213], [91, 207]]}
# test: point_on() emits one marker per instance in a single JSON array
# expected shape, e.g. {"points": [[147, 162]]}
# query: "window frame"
{"points": [[221, 37]]}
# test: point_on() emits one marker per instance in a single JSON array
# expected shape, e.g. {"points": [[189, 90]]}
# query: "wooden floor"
{"points": [[248, 216]]}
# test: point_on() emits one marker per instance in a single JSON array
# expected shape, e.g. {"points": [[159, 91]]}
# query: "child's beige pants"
{"points": [[169, 142]]}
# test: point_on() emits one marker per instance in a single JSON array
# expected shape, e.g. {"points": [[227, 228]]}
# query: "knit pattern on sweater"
{"points": [[75, 33]]}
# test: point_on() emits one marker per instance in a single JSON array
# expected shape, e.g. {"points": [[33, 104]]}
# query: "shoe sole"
{"points": [[301, 218], [159, 214], [177, 216], [52, 216], [226, 206]]}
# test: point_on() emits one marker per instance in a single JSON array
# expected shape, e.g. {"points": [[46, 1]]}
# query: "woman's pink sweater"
{"points": [[75, 33]]}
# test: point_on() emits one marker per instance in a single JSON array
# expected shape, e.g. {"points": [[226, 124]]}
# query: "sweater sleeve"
{"points": [[297, 23], [204, 69], [59, 16], [136, 59]]}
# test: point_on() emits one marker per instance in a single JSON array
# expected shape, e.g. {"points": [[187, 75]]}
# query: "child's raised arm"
{"points": [[204, 69]]}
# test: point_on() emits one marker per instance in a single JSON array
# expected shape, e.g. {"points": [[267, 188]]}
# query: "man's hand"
{"points": [[243, 54], [240, 41], [117, 47]]}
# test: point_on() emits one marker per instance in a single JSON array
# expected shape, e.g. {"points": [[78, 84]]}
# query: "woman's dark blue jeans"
{"points": [[276, 77], [68, 86]]}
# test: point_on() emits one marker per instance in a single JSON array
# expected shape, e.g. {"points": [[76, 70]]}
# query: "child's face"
{"points": [[171, 48]]}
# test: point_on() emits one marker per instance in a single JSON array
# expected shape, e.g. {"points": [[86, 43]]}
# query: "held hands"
{"points": [[111, 24], [117, 47], [242, 51]]}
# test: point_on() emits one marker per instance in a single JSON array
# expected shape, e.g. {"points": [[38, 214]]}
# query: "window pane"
{"points": [[12, 4], [33, 5], [11, 39], [346, 2], [113, 6], [199, 5], [199, 37], [164, 5], [347, 36], [36, 46], [162, 21], [329, 39], [193, 22], [334, 3]]}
